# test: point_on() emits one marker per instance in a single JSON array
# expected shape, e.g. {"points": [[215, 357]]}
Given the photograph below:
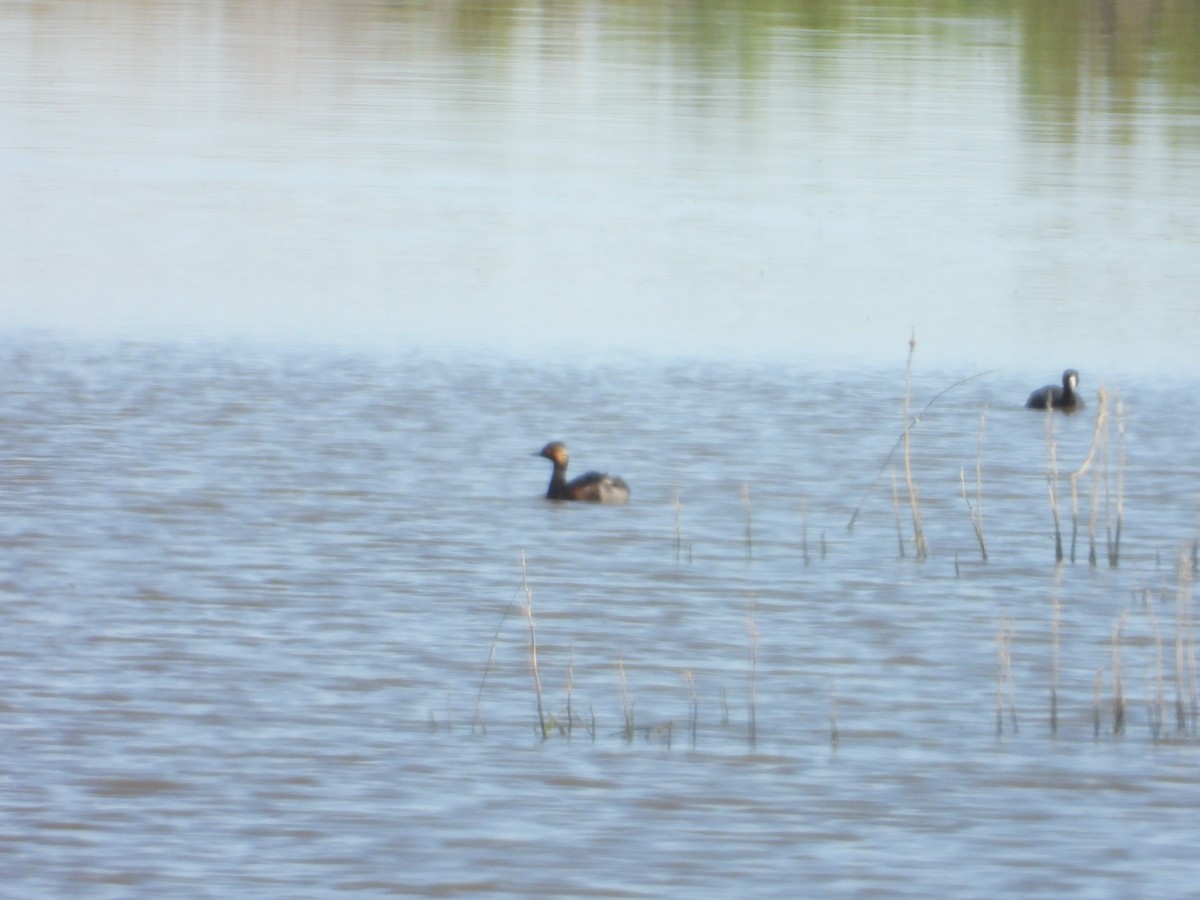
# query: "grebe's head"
{"points": [[1070, 379], [555, 451]]}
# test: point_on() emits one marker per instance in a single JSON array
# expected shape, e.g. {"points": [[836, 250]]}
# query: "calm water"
{"points": [[292, 291], [251, 596], [1021, 185]]}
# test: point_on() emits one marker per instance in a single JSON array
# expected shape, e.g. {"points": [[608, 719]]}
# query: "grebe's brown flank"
{"points": [[1054, 397], [592, 487]]}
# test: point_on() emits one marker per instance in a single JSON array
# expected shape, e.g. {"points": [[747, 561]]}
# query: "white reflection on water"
{"points": [[597, 177], [250, 596]]}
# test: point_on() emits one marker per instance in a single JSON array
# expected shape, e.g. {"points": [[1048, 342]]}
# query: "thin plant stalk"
{"points": [[1157, 703], [477, 722], [570, 691], [1095, 451], [626, 706], [976, 509], [1052, 483], [1118, 678], [1114, 544], [914, 500], [916, 420], [533, 660]]}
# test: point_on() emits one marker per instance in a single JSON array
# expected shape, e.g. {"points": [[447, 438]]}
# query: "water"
{"points": [[746, 181], [292, 294], [264, 633]]}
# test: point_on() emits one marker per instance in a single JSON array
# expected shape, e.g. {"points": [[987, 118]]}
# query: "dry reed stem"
{"points": [[976, 510], [914, 500], [1097, 450], [1114, 543], [570, 691], [916, 420], [1052, 481], [1097, 691], [533, 660], [477, 721], [626, 706]]}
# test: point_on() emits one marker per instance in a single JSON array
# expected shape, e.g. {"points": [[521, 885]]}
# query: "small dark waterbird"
{"points": [[592, 487], [1054, 397]]}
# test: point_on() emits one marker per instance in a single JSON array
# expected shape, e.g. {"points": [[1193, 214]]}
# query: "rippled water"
{"points": [[267, 601], [263, 632]]}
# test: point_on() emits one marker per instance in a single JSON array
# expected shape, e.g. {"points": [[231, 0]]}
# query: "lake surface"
{"points": [[291, 293], [1020, 185], [264, 632]]}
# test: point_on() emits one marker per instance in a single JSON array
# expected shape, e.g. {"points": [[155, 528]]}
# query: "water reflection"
{"points": [[762, 177]]}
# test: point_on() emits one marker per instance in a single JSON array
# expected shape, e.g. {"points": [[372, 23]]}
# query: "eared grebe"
{"points": [[593, 486], [1054, 397]]}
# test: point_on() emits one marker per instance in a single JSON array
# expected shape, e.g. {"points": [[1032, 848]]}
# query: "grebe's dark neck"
{"points": [[558, 479]]}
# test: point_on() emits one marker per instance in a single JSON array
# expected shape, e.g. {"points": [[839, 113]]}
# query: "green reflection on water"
{"points": [[1074, 55]]}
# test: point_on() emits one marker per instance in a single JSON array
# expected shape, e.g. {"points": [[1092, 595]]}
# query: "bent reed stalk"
{"points": [[916, 420], [477, 722]]}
